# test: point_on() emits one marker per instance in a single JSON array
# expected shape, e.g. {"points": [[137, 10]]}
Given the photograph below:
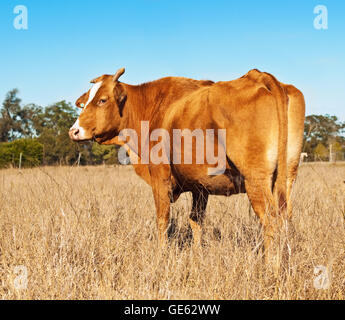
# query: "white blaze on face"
{"points": [[92, 94]]}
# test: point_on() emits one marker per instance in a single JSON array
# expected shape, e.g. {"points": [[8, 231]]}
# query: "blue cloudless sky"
{"points": [[70, 42]]}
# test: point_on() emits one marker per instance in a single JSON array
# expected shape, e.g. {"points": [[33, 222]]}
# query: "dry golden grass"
{"points": [[90, 233]]}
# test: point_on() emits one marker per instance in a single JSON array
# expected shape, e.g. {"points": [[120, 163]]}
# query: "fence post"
{"points": [[332, 155], [79, 159], [20, 160]]}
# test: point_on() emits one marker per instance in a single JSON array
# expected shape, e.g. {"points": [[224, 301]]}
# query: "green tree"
{"points": [[320, 152], [51, 125], [104, 154], [319, 132], [14, 120], [30, 149]]}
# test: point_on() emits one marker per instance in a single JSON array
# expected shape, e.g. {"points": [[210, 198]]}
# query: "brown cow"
{"points": [[263, 119]]}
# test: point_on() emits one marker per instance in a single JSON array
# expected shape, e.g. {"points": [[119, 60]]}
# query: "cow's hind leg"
{"points": [[296, 112], [197, 215], [260, 195], [291, 177]]}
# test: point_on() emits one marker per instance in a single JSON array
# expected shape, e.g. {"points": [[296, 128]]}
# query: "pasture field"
{"points": [[90, 233]]}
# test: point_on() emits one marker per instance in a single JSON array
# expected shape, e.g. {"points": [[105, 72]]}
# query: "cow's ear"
{"points": [[81, 101], [97, 79], [120, 96]]}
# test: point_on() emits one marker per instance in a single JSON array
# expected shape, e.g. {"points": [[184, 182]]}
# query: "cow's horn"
{"points": [[118, 74]]}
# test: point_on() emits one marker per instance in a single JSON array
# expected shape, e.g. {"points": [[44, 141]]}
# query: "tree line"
{"points": [[39, 136]]}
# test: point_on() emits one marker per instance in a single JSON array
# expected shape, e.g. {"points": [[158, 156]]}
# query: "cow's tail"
{"points": [[280, 189]]}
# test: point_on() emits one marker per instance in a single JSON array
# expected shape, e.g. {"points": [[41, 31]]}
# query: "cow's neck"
{"points": [[143, 102]]}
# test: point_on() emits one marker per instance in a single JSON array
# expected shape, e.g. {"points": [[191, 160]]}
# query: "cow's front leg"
{"points": [[162, 192]]}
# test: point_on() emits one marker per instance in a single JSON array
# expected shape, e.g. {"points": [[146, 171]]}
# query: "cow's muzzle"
{"points": [[74, 134]]}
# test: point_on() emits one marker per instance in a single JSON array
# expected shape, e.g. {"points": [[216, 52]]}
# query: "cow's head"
{"points": [[102, 108]]}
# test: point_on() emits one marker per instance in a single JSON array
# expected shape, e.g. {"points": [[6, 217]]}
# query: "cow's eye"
{"points": [[102, 101]]}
